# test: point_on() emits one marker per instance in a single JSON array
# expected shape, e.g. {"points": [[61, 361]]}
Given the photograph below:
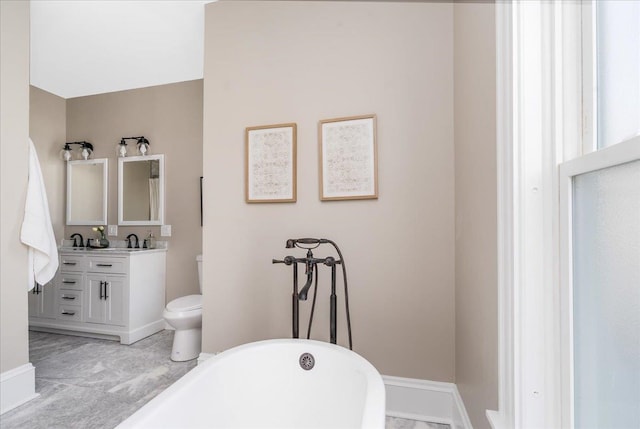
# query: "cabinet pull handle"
{"points": [[69, 282], [101, 290], [104, 265], [69, 313], [69, 298], [68, 263]]}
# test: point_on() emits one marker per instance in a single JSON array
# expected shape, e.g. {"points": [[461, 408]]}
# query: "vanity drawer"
{"points": [[69, 297], [70, 281], [70, 312], [72, 263], [107, 265]]}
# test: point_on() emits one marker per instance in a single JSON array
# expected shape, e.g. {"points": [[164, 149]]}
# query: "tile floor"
{"points": [[95, 384]]}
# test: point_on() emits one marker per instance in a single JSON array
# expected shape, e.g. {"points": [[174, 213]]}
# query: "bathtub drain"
{"points": [[307, 361]]}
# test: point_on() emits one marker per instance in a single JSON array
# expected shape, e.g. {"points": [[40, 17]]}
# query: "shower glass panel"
{"points": [[606, 297]]}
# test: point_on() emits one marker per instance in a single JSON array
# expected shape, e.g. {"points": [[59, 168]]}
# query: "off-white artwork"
{"points": [[270, 164], [348, 158]]}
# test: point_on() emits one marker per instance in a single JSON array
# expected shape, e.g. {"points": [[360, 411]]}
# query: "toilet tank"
{"points": [[199, 260]]}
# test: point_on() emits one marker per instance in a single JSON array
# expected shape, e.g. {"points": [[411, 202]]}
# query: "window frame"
{"points": [[560, 38]]}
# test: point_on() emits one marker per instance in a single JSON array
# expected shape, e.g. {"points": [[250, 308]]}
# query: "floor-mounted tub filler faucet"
{"points": [[128, 240], [75, 242], [311, 267]]}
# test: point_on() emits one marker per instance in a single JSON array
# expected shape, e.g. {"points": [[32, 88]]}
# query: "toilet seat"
{"points": [[185, 303]]}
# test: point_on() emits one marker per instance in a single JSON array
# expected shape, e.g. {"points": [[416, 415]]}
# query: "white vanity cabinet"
{"points": [[114, 294]]}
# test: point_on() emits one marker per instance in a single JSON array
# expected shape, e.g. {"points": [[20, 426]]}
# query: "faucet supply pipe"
{"points": [[333, 300], [295, 301], [346, 291], [313, 306], [295, 304]]}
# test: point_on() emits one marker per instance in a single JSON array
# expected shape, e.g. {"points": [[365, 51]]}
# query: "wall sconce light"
{"points": [[141, 143], [86, 149]]}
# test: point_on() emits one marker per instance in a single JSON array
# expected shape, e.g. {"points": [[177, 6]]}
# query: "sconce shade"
{"points": [[86, 152], [122, 148], [65, 154], [143, 146], [86, 149], [141, 142]]}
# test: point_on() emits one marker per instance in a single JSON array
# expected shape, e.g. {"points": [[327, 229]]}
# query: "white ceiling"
{"points": [[83, 48]]}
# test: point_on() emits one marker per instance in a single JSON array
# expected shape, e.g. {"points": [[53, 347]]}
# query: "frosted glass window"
{"points": [[618, 70], [606, 231]]}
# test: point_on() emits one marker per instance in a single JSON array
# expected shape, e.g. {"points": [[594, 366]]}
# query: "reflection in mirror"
{"points": [[141, 190], [87, 192]]}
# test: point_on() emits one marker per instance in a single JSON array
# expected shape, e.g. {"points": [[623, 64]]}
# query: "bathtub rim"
{"points": [[374, 406]]}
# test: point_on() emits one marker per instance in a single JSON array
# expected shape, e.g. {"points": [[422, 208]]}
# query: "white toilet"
{"points": [[185, 315]]}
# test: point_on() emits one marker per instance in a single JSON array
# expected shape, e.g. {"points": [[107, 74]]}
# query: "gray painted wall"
{"points": [[476, 210], [277, 62]]}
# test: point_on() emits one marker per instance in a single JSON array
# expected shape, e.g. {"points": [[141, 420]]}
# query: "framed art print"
{"points": [[348, 158], [270, 164]]}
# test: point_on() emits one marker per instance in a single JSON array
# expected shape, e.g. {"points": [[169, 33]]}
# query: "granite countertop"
{"points": [[115, 247]]}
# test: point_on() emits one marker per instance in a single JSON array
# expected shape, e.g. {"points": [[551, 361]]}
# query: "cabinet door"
{"points": [[35, 302], [95, 302], [48, 297], [115, 300], [42, 300]]}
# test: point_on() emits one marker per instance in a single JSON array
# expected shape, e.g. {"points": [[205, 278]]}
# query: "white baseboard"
{"points": [[496, 420], [460, 416], [17, 386], [204, 356], [430, 401], [142, 332]]}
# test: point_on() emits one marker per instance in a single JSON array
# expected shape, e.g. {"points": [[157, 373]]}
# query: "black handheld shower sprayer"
{"points": [[311, 268], [295, 242]]}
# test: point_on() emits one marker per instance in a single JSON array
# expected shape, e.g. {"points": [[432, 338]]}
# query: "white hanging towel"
{"points": [[37, 231]]}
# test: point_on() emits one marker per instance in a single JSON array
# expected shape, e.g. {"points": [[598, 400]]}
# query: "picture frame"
{"points": [[270, 163], [348, 158]]}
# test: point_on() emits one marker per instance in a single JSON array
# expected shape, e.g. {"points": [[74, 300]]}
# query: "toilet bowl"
{"points": [[184, 314]]}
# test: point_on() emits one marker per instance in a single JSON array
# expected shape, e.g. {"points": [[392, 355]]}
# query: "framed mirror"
{"points": [[87, 187], [141, 190]]}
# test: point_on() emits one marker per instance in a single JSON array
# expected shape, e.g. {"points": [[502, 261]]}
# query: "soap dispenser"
{"points": [[150, 241]]}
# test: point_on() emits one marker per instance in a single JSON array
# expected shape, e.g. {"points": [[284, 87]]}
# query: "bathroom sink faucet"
{"points": [[75, 242], [129, 246]]}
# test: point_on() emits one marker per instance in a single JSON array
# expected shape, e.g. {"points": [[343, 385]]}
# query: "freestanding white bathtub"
{"points": [[264, 385]]}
